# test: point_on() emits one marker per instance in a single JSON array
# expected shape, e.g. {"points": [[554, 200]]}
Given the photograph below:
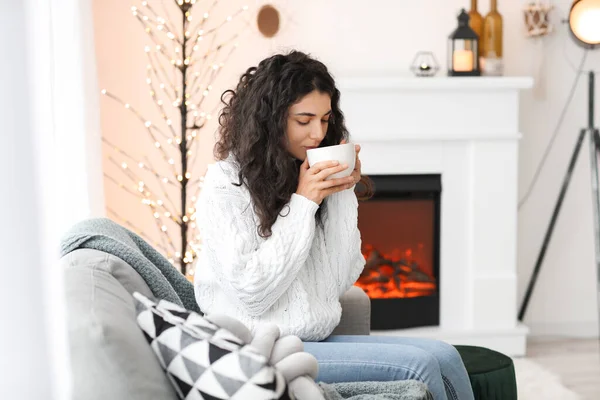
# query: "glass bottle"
{"points": [[476, 23], [491, 42]]}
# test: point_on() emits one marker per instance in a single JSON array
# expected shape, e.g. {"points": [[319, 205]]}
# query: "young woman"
{"points": [[281, 243]]}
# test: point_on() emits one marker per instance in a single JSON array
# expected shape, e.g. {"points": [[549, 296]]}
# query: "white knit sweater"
{"points": [[295, 277]]}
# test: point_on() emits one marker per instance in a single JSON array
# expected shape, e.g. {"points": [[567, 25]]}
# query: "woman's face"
{"points": [[307, 123]]}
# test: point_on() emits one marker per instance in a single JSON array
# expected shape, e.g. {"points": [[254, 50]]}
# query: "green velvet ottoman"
{"points": [[492, 374]]}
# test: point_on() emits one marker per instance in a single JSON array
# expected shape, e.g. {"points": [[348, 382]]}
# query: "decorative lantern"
{"points": [[463, 57], [424, 64]]}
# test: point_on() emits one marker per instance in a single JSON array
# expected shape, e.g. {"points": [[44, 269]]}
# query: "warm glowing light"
{"points": [[584, 21], [395, 275], [198, 84]]}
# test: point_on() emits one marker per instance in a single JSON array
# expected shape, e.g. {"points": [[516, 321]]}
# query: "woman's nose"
{"points": [[318, 132]]}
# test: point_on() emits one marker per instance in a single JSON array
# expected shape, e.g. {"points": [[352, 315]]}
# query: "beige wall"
{"points": [[381, 37]]}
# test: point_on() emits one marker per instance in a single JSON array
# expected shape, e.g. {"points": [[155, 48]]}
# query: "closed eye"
{"points": [[324, 121]]}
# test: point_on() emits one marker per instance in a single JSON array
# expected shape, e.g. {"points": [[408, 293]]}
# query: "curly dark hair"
{"points": [[253, 126]]}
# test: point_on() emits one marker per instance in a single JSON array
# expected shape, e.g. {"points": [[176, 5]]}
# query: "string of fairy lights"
{"points": [[183, 63]]}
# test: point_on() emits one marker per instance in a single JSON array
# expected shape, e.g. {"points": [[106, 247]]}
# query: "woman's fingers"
{"points": [[320, 166], [335, 189], [349, 180], [321, 176], [304, 166]]}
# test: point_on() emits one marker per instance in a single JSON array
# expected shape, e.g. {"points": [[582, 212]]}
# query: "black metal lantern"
{"points": [[463, 57]]}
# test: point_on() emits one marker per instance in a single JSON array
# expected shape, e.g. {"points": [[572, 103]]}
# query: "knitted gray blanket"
{"points": [[394, 390], [162, 278]]}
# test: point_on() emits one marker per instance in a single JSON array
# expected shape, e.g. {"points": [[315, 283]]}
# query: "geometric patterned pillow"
{"points": [[204, 361]]}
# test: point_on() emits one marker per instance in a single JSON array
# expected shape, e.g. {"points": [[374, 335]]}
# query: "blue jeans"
{"points": [[385, 358]]}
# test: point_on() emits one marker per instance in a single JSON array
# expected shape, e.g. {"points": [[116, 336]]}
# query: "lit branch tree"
{"points": [[184, 59]]}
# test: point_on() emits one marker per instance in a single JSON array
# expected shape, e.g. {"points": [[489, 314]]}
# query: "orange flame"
{"points": [[383, 280]]}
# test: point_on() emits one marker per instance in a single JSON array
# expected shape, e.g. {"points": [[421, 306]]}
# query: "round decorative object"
{"points": [[537, 18], [424, 64], [268, 20], [584, 23], [492, 374]]}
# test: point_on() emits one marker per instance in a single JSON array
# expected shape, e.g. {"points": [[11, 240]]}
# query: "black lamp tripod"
{"points": [[584, 20], [593, 136]]}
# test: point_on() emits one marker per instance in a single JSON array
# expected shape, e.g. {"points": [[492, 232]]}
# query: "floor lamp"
{"points": [[584, 26]]}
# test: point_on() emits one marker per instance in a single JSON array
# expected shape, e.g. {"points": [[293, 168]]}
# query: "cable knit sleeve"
{"points": [[254, 271], [342, 238]]}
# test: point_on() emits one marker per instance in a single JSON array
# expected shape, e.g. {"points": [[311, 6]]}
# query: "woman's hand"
{"points": [[312, 183], [356, 174]]}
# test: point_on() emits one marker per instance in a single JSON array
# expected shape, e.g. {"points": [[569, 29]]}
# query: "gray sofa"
{"points": [[109, 355]]}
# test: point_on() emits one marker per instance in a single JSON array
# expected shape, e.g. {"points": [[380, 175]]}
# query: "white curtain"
{"points": [[51, 177], [66, 107]]}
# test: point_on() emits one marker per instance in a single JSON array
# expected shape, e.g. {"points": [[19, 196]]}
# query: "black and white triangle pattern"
{"points": [[204, 361]]}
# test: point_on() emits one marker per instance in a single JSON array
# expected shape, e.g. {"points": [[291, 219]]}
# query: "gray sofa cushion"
{"points": [[356, 313], [110, 357]]}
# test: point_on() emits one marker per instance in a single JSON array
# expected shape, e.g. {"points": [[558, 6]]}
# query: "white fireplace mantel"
{"points": [[467, 130]]}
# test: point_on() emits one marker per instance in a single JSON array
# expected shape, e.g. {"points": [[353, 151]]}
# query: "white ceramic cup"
{"points": [[343, 153]]}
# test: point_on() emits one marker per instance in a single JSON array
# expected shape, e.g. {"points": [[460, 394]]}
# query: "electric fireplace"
{"points": [[400, 231]]}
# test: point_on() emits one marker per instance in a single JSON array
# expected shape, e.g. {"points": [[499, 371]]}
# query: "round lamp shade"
{"points": [[584, 22]]}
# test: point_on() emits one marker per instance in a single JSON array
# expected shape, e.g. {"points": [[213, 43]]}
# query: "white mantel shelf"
{"points": [[466, 130], [436, 83], [384, 109]]}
